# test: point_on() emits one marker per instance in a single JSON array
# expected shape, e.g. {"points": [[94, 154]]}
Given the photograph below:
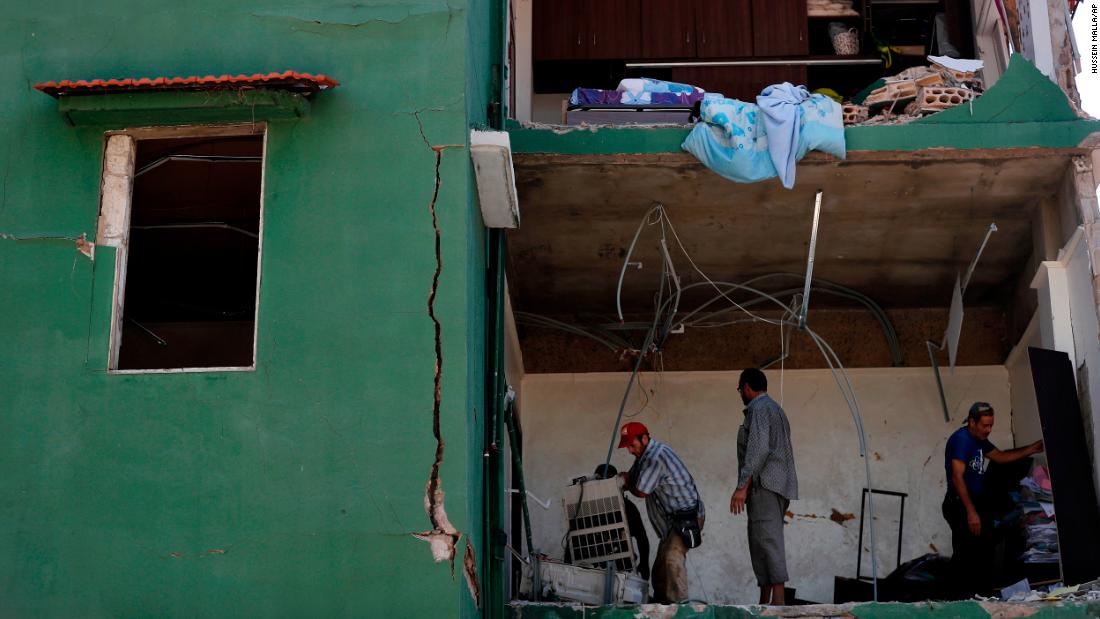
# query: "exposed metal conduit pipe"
{"points": [[207, 158], [810, 262], [846, 391]]}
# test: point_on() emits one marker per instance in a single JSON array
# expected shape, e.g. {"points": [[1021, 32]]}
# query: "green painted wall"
{"points": [[288, 491]]}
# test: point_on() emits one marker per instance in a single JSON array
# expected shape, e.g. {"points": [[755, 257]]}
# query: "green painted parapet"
{"points": [[1023, 110], [892, 610]]}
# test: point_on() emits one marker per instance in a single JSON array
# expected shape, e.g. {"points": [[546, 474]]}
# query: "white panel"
{"points": [[496, 184], [1055, 328]]}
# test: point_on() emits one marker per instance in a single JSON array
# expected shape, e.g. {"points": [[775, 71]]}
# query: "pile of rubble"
{"points": [[914, 93]]}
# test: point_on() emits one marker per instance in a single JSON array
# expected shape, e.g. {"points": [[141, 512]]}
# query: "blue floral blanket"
{"points": [[734, 141]]}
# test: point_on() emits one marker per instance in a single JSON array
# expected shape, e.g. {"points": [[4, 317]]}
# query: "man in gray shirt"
{"points": [[766, 482]]}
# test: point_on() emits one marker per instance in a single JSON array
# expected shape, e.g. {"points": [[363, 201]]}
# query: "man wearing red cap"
{"points": [[671, 500]]}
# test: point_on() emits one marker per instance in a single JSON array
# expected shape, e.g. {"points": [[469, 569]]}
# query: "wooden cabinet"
{"points": [[723, 28], [668, 29], [555, 35], [586, 29], [614, 28], [779, 28], [674, 29]]}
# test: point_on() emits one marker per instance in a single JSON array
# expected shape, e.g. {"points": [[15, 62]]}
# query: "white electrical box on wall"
{"points": [[491, 153]]}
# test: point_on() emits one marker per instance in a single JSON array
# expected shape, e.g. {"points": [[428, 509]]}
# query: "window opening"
{"points": [[190, 286]]}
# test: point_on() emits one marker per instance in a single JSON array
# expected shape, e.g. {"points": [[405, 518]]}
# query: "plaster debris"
{"points": [[593, 128], [657, 611], [86, 247]]}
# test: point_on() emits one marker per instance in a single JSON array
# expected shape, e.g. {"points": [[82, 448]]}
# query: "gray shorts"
{"points": [[766, 510]]}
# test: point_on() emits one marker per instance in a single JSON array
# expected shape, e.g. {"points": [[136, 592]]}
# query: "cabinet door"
{"points": [[613, 28], [779, 28], [723, 28], [668, 29], [556, 30]]}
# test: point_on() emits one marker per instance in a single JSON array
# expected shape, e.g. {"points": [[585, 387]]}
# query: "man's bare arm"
{"points": [[628, 485], [973, 520], [1012, 455]]}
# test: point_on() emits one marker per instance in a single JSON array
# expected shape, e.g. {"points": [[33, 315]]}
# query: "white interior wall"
{"points": [[513, 376], [1025, 410], [567, 417], [530, 106], [547, 108], [521, 24], [513, 354]]}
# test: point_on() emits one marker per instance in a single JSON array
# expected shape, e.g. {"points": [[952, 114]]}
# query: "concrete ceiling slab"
{"points": [[896, 227]]}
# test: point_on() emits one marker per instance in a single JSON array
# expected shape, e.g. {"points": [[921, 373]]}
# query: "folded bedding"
{"points": [[640, 91]]}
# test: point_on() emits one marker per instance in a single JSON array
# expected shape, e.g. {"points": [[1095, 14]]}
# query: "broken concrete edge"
{"points": [[857, 610], [469, 570], [174, 108], [1023, 94]]}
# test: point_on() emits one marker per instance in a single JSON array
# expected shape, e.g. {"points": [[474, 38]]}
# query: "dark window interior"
{"points": [[190, 295]]}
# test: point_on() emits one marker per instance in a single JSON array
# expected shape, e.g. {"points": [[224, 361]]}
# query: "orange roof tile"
{"points": [[287, 80]]}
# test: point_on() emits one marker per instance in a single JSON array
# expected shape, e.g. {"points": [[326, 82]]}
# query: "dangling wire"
{"points": [[789, 319]]}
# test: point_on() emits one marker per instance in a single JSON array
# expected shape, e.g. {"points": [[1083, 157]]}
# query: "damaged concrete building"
{"points": [[924, 189], [270, 351]]}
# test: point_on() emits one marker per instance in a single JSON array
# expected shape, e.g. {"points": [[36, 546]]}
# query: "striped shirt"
{"points": [[668, 485], [764, 448]]}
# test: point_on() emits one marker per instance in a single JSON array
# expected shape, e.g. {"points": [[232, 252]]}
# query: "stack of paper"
{"points": [[1039, 518]]}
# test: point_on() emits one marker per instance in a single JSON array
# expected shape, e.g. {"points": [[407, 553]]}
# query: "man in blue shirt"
{"points": [[966, 461]]}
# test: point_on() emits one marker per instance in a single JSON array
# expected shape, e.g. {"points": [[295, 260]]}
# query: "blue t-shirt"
{"points": [[963, 446]]}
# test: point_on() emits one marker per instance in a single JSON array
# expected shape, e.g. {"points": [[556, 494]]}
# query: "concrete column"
{"points": [[113, 230], [1088, 212], [1064, 56], [1035, 30], [1086, 268]]}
